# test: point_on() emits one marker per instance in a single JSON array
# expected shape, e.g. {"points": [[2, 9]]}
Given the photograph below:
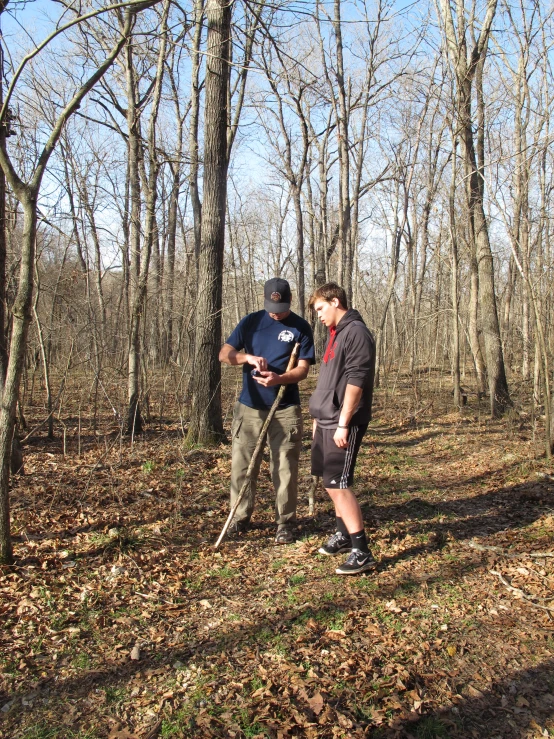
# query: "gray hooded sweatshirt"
{"points": [[349, 359]]}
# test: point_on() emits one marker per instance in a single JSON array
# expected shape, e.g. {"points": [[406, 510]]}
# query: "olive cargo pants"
{"points": [[284, 437]]}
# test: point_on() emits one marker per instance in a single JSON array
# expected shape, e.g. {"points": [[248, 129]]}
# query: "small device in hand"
{"points": [[256, 372]]}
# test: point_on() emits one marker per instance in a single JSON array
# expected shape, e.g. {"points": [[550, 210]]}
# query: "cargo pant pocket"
{"points": [[295, 434], [236, 424]]}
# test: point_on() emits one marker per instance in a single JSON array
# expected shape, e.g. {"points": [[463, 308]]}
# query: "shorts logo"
{"points": [[276, 297], [286, 336]]}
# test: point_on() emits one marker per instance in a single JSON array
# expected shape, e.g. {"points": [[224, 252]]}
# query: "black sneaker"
{"points": [[337, 543], [357, 561]]}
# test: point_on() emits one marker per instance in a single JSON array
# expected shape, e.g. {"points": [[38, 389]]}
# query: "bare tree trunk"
{"points": [[3, 252], [27, 195], [284, 147], [473, 328], [206, 424], [44, 356], [140, 258], [172, 215], [468, 67], [133, 424], [194, 123], [21, 316], [324, 249], [507, 312], [89, 210], [237, 288], [395, 257], [496, 372], [170, 270], [456, 379], [300, 277]]}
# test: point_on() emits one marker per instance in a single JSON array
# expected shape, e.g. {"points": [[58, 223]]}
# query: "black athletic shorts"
{"points": [[333, 464]]}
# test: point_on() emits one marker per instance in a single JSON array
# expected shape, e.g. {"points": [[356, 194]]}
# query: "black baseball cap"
{"points": [[277, 297]]}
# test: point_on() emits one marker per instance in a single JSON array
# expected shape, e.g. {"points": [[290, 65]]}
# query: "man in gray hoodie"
{"points": [[341, 409]]}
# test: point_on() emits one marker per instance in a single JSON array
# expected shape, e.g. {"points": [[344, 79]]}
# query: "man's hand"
{"points": [[268, 379], [340, 438], [260, 363], [314, 426], [233, 357]]}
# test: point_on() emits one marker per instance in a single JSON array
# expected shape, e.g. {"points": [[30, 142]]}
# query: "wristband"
{"points": [[342, 427]]}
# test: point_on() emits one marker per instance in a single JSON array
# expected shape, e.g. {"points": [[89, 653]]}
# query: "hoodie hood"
{"points": [[350, 315]]}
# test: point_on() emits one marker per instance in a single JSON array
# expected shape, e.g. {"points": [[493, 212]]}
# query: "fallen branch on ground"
{"points": [[504, 553], [154, 597], [517, 591]]}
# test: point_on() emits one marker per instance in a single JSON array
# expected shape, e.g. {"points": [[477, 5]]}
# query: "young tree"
{"points": [[467, 50], [141, 252], [26, 192]]}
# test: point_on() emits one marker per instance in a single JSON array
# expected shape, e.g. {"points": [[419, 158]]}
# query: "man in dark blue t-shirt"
{"points": [[263, 342]]}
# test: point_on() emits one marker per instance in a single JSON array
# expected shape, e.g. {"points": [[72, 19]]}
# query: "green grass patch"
{"points": [[255, 684], [332, 618], [45, 731], [127, 541], [58, 621], [41, 731], [387, 618], [364, 711], [194, 585], [9, 666], [250, 727], [431, 728], [278, 645], [407, 588], [225, 572], [81, 661], [177, 725], [292, 598], [115, 695], [365, 584], [299, 579]]}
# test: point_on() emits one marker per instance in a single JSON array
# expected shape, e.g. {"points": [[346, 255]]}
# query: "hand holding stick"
{"points": [[258, 448]]}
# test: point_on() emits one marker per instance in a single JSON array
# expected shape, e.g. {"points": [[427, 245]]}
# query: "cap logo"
{"points": [[275, 297]]}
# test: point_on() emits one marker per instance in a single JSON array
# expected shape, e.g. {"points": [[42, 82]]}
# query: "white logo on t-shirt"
{"points": [[286, 336]]}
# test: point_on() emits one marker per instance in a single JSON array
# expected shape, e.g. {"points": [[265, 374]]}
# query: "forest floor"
{"points": [[119, 620]]}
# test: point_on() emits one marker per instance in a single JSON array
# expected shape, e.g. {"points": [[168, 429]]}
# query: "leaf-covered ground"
{"points": [[119, 620]]}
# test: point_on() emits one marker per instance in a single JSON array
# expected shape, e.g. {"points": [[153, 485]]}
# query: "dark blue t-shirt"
{"points": [[263, 336]]}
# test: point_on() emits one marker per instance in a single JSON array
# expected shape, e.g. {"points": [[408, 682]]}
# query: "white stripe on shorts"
{"points": [[352, 434]]}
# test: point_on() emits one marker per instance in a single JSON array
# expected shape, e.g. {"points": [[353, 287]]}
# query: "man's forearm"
{"points": [[294, 375], [352, 397], [234, 357]]}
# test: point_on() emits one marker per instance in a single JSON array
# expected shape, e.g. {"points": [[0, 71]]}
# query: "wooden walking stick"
{"points": [[311, 495], [257, 449]]}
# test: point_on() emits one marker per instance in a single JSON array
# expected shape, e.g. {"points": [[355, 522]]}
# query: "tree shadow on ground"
{"points": [[506, 709], [514, 507], [519, 705], [258, 634]]}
